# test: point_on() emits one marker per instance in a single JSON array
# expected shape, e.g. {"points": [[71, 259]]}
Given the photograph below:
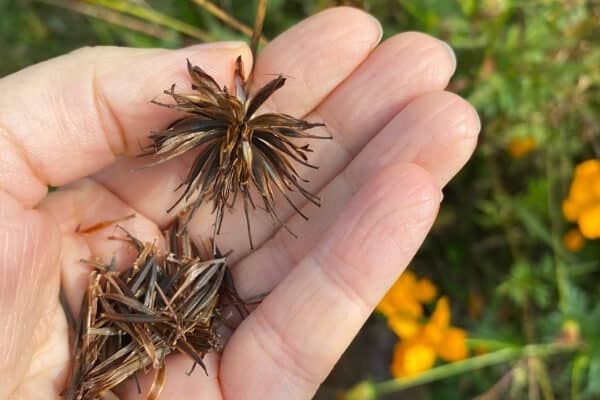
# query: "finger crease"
{"points": [[104, 110], [338, 281], [269, 338], [22, 154], [281, 252], [119, 198]]}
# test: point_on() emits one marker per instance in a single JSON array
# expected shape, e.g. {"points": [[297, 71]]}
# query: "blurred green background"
{"points": [[498, 250]]}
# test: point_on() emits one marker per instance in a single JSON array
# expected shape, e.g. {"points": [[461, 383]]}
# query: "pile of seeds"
{"points": [[131, 320]]}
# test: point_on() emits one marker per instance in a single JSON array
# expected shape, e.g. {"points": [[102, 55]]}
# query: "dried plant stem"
{"points": [[112, 17], [151, 15], [227, 18], [259, 19]]}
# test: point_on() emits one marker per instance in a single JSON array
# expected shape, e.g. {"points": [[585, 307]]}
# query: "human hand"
{"points": [[77, 120]]}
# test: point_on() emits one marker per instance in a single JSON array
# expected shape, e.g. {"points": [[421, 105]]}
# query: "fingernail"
{"points": [[380, 27], [452, 53], [441, 196]]}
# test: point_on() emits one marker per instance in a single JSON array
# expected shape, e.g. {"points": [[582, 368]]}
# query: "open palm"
{"points": [[76, 121]]}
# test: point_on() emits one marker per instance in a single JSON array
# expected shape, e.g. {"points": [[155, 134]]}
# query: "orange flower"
{"points": [[400, 300], [587, 169], [573, 240], [571, 209], [582, 205], [441, 314], [420, 344], [589, 222], [453, 346], [404, 298], [580, 192], [425, 291], [438, 325], [412, 357], [403, 326], [520, 147]]}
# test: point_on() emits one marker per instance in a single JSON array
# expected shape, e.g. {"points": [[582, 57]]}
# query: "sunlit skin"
{"points": [[77, 121]]}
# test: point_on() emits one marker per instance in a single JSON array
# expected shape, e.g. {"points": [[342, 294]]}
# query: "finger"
{"points": [[89, 217], [316, 56], [69, 117], [29, 279], [296, 335], [401, 69], [437, 131]]}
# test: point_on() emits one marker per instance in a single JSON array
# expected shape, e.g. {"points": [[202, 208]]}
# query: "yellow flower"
{"points": [[420, 344], [589, 222], [438, 324], [412, 357], [441, 314], [392, 305], [425, 291], [583, 204], [520, 147], [453, 346], [407, 280], [571, 209], [573, 240], [403, 326], [581, 192], [587, 169], [595, 187], [400, 299]]}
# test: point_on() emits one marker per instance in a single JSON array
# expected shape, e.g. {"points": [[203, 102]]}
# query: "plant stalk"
{"points": [[474, 363]]}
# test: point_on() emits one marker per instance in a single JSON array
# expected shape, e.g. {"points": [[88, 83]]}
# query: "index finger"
{"points": [[73, 115]]}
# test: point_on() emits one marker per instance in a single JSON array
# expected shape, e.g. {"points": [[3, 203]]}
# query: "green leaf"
{"points": [[594, 375]]}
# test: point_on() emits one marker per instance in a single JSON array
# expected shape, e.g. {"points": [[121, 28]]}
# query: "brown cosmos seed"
{"points": [[238, 151], [131, 320]]}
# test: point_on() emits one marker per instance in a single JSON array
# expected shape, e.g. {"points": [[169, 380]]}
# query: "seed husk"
{"points": [[131, 320]]}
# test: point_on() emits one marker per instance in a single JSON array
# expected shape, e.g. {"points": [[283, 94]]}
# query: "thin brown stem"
{"points": [[228, 19], [261, 10]]}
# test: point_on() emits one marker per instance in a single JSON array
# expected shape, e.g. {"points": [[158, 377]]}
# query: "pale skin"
{"points": [[76, 121]]}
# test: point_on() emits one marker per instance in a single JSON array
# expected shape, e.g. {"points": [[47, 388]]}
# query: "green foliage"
{"points": [[531, 70], [526, 284]]}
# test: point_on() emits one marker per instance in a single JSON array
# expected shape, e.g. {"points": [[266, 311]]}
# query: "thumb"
{"points": [[29, 284]]}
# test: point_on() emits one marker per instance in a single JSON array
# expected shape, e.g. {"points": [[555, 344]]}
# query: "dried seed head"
{"points": [[132, 320], [238, 150]]}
